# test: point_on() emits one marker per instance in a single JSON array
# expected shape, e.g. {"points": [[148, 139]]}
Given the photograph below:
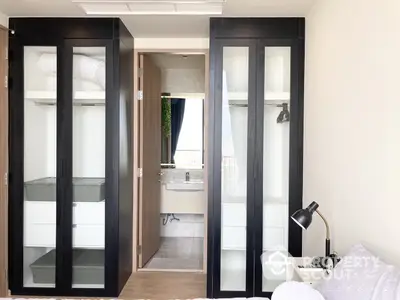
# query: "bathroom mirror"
{"points": [[182, 132]]}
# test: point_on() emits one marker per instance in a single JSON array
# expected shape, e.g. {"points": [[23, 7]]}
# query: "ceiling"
{"points": [[162, 26]]}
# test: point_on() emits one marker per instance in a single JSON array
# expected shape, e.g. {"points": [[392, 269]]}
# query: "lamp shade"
{"points": [[303, 217]]}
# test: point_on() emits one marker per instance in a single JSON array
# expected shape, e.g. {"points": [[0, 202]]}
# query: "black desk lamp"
{"points": [[303, 218]]}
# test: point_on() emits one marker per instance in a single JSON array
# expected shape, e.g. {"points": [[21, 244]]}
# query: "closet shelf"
{"points": [[278, 97], [81, 98]]}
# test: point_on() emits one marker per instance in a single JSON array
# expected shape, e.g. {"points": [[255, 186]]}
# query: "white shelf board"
{"points": [[269, 96], [267, 200], [87, 286], [28, 282], [80, 97]]}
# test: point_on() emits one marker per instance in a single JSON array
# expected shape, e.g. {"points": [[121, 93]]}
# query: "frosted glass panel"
{"points": [[40, 144], [276, 159], [89, 119], [234, 168]]}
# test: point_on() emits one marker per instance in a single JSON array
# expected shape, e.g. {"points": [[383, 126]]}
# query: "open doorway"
{"points": [[171, 206]]}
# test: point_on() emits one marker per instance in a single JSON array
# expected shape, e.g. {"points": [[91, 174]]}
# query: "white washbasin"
{"points": [[185, 186]]}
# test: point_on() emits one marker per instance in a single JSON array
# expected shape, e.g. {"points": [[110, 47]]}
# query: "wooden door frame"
{"points": [[136, 140], [3, 163]]}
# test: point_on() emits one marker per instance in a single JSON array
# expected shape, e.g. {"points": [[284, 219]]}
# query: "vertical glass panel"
{"points": [[276, 163], [89, 133], [40, 144], [234, 168]]}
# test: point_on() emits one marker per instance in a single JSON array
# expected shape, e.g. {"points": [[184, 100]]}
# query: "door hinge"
{"points": [[6, 81], [140, 72], [6, 54], [140, 95], [139, 249], [140, 172], [5, 178]]}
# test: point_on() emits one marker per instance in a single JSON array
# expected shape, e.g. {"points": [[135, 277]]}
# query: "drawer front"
{"points": [[45, 212], [88, 236], [40, 212], [40, 235], [233, 238], [233, 214], [44, 235], [275, 238], [92, 213], [276, 215]]}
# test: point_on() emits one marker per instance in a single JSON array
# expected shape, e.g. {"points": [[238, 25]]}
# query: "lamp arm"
{"points": [[328, 234]]}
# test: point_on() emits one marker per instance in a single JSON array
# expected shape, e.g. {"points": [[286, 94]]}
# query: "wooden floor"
{"points": [[165, 285]]}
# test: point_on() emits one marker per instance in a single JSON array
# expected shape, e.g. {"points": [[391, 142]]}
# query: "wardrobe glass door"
{"points": [[235, 99], [39, 168], [89, 133], [275, 184]]}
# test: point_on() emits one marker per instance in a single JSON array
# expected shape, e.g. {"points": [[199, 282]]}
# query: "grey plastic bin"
{"points": [[84, 189], [88, 267]]}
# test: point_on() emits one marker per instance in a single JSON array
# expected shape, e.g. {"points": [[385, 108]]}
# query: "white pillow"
{"points": [[292, 290], [356, 277]]}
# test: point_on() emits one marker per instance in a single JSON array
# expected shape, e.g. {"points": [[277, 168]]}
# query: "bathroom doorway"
{"points": [[171, 202]]}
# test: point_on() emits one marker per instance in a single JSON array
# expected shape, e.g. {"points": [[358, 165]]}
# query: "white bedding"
{"points": [[296, 291], [359, 276]]}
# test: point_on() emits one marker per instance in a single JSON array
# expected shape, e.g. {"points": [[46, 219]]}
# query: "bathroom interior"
{"points": [[182, 201], [40, 168]]}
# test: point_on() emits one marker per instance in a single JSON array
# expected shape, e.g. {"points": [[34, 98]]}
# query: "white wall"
{"points": [[3, 19], [181, 81], [171, 43], [352, 124]]}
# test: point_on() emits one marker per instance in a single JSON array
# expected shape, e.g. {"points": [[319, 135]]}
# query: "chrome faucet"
{"points": [[187, 176]]}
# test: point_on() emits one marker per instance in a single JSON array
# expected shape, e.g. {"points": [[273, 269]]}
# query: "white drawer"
{"points": [[45, 212], [40, 235], [40, 212], [89, 213], [88, 236], [44, 235], [275, 238], [276, 215], [233, 238], [233, 214]]}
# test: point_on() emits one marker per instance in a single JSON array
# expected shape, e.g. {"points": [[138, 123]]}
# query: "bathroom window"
{"points": [[189, 150]]}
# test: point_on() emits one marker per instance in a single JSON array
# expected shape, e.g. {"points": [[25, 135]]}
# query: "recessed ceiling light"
{"points": [[151, 7]]}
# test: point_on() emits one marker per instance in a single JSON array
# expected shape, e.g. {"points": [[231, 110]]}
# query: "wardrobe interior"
{"points": [[234, 181], [40, 140]]}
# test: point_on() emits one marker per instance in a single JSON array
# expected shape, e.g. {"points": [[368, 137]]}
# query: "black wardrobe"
{"points": [[70, 182], [256, 150]]}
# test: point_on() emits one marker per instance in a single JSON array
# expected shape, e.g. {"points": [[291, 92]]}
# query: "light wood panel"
{"points": [[150, 155], [165, 285], [3, 161]]}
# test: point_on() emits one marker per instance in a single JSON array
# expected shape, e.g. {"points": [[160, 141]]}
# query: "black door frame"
{"points": [[295, 153], [215, 147], [259, 32]]}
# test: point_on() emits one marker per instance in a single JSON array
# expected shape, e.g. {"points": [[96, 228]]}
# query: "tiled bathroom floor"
{"points": [[178, 253]]}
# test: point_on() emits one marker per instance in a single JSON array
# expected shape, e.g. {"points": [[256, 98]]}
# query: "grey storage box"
{"points": [[84, 189], [87, 267]]}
